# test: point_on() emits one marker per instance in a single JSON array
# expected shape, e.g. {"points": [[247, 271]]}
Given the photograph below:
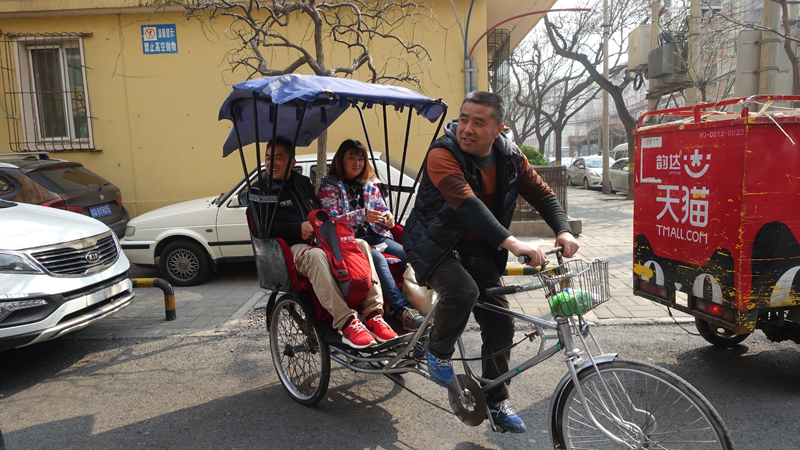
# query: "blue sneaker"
{"points": [[505, 417], [440, 370]]}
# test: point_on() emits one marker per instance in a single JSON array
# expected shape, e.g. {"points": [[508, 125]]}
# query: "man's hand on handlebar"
{"points": [[519, 248], [567, 240]]}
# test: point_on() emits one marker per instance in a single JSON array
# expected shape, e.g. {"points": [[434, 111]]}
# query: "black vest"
{"points": [[433, 228]]}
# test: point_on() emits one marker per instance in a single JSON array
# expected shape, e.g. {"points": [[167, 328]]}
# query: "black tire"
{"points": [[611, 188], [586, 183], [569, 181], [677, 416], [718, 336], [184, 263], [301, 358]]}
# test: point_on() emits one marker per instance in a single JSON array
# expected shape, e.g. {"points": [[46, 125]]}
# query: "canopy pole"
{"points": [[422, 168], [366, 137], [241, 156], [269, 171], [388, 166], [402, 162], [288, 169]]}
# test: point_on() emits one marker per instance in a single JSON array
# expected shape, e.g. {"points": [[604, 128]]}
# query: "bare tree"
{"points": [[344, 31], [550, 89], [624, 15]]}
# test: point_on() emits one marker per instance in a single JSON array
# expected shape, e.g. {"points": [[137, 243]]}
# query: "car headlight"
{"points": [[130, 231], [13, 262]]}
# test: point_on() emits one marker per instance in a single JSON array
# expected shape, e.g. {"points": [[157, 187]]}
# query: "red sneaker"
{"points": [[380, 329], [356, 335]]}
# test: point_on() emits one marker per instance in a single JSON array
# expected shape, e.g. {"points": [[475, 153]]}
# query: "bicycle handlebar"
{"points": [[525, 259]]}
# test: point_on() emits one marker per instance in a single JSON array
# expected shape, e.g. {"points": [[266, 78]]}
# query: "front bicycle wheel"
{"points": [[642, 406], [301, 358]]}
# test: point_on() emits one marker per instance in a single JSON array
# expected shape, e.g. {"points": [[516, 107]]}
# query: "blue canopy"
{"points": [[329, 97]]}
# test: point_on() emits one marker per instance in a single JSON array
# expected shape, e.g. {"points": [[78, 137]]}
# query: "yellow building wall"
{"points": [[155, 115]]}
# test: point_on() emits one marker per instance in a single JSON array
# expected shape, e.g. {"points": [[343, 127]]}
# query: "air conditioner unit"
{"points": [[639, 47]]}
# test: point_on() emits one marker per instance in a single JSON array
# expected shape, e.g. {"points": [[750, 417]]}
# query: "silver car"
{"points": [[618, 176], [587, 171]]}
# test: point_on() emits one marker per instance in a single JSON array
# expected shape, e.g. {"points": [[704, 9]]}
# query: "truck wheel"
{"points": [[184, 263], [718, 336]]}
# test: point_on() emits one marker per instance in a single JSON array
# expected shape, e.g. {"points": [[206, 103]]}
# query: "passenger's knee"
{"points": [[316, 256]]}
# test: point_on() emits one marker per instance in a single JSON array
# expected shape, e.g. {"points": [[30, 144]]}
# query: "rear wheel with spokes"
{"points": [[301, 358], [642, 406]]}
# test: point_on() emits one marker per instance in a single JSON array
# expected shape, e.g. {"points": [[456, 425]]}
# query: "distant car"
{"points": [[587, 171], [618, 176], [59, 272], [620, 151], [188, 240], [40, 180], [565, 161]]}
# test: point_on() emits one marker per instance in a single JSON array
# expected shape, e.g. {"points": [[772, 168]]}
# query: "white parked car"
{"points": [[587, 171], [186, 241], [59, 272]]}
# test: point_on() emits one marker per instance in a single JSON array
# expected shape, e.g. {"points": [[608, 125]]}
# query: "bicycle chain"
{"points": [[528, 336]]}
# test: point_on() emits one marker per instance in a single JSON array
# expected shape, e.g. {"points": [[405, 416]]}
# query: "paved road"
{"points": [[212, 392], [228, 295]]}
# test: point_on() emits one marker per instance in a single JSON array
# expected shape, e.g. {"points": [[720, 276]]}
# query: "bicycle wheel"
{"points": [[301, 358], [665, 411]]}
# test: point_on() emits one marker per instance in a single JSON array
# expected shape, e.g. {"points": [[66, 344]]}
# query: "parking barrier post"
{"points": [[169, 293]]}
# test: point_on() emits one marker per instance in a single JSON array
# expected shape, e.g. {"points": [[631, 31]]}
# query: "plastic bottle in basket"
{"points": [[570, 302]]}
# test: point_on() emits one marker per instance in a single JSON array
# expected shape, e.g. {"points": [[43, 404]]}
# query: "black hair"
{"points": [[489, 99], [283, 142]]}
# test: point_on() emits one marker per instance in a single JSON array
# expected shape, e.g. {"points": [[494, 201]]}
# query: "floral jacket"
{"points": [[333, 199]]}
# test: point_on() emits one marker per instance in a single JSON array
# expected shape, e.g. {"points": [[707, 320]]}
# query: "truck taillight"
{"points": [[654, 289], [59, 204], [712, 309]]}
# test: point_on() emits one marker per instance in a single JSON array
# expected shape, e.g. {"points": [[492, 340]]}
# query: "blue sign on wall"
{"points": [[159, 39]]}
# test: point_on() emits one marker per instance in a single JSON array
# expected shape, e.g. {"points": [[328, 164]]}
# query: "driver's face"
{"points": [[476, 130], [278, 165]]}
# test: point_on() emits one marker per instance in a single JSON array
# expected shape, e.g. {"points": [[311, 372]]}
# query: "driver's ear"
{"points": [[499, 130], [291, 164]]}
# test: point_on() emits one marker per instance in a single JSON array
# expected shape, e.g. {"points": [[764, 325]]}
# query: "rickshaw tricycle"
{"points": [[602, 402], [716, 216]]}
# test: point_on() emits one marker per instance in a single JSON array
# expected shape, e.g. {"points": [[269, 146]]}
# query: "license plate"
{"points": [[99, 210]]}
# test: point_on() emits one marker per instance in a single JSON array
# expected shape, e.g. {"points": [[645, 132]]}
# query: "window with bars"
{"points": [[497, 46], [46, 102]]}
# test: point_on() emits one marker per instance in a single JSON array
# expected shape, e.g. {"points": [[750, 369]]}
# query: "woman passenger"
{"points": [[350, 192]]}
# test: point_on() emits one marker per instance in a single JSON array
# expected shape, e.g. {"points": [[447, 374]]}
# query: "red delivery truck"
{"points": [[717, 216]]}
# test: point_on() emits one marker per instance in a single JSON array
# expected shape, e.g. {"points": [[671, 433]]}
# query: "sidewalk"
{"points": [[217, 305]]}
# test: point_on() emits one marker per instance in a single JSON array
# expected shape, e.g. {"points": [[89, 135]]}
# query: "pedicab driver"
{"points": [[457, 238], [291, 224]]}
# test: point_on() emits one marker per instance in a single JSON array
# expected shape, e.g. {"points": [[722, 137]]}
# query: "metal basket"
{"points": [[575, 287]]}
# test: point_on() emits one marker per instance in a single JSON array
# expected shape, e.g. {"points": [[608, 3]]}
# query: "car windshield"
{"points": [[595, 163]]}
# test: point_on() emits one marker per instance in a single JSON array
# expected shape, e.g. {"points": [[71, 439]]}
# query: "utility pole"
{"points": [[770, 46], [654, 30], [693, 58], [606, 188]]}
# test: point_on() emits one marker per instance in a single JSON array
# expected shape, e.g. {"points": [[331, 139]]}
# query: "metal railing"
{"points": [[556, 178]]}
